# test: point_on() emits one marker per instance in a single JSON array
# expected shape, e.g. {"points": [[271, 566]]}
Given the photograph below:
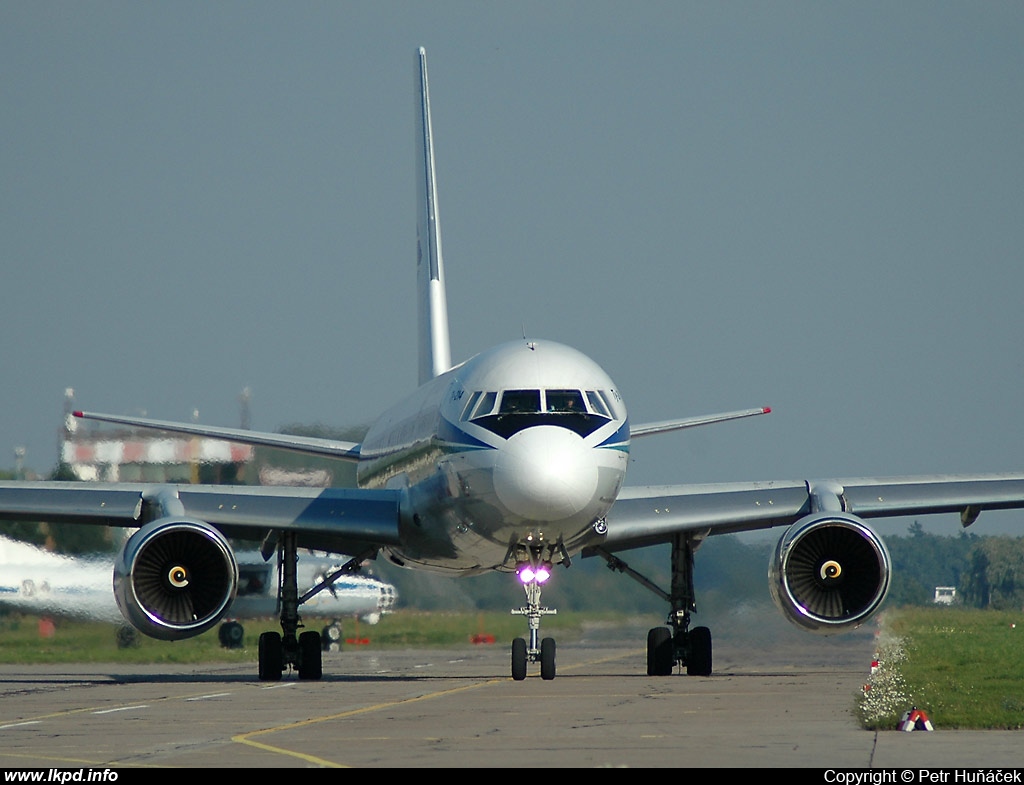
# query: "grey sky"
{"points": [[813, 206]]}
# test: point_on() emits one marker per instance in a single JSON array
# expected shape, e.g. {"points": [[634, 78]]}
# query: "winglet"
{"points": [[434, 348]]}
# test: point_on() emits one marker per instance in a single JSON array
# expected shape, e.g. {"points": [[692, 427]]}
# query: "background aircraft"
{"points": [[39, 582], [512, 461]]}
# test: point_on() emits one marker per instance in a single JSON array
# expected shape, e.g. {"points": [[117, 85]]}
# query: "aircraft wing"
{"points": [[653, 514], [340, 520], [647, 429], [308, 445]]}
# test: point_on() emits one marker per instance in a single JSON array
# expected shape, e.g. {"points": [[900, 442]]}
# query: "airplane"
{"points": [[513, 460], [42, 583]]}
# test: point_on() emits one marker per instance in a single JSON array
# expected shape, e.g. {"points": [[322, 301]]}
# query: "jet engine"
{"points": [[175, 578], [829, 573]]}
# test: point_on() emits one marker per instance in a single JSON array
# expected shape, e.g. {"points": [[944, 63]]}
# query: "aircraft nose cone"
{"points": [[545, 473]]}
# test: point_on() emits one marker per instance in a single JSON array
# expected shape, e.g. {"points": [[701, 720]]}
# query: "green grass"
{"points": [[21, 642], [422, 628], [77, 641], [963, 668]]}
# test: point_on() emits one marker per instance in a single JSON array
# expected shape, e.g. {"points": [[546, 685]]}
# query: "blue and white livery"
{"points": [[514, 460]]}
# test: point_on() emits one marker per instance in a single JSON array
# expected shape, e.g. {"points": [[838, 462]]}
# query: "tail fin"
{"points": [[435, 349]]}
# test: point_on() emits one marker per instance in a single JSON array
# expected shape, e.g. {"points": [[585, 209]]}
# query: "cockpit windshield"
{"points": [[513, 410], [564, 401], [519, 402]]}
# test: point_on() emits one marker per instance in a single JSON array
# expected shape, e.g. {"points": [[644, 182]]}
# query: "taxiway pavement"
{"points": [[784, 703]]}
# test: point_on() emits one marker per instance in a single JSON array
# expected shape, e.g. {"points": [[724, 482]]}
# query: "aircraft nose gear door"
{"points": [[536, 650]]}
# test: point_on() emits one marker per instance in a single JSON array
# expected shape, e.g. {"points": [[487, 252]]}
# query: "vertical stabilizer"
{"points": [[435, 349]]}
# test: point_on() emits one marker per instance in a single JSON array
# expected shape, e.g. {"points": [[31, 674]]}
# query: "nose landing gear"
{"points": [[536, 650]]}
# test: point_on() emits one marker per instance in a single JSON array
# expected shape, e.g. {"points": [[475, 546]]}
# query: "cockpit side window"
{"points": [[597, 404], [486, 404], [470, 404], [607, 398]]}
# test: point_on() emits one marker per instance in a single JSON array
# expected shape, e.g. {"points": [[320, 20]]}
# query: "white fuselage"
{"points": [[523, 447]]}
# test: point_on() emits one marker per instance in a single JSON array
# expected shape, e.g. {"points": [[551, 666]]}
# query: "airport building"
{"points": [[95, 451]]}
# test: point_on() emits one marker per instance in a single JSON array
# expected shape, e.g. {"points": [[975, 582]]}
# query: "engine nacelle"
{"points": [[829, 573], [175, 578]]}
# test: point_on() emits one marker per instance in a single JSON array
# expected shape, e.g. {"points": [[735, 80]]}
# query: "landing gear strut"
{"points": [[542, 651], [278, 650], [676, 642]]}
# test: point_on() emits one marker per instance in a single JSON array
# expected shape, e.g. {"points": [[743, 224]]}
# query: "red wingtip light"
{"points": [[77, 414]]}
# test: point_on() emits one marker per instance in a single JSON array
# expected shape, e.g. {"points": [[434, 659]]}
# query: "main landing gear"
{"points": [[303, 652], [522, 652], [667, 646], [278, 650], [676, 642]]}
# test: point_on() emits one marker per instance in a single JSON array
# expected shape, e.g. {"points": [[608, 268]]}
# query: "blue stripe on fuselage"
{"points": [[618, 440], [451, 434]]}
